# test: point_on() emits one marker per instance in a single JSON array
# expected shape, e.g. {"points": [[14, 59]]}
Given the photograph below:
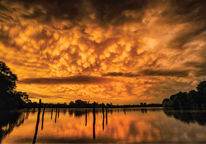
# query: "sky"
{"points": [[108, 51]]}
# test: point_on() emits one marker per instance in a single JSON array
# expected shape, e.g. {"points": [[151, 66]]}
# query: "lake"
{"points": [[153, 125]]}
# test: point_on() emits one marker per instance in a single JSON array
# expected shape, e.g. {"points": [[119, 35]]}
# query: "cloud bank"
{"points": [[65, 80]]}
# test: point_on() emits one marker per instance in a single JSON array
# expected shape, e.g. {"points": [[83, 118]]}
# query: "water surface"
{"points": [[117, 125]]}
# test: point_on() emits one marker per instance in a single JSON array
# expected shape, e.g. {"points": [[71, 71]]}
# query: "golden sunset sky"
{"points": [[118, 51]]}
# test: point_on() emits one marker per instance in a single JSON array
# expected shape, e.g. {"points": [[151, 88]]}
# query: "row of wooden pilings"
{"points": [[94, 119], [57, 113]]}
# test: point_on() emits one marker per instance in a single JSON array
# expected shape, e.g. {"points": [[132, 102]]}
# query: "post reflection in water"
{"points": [[56, 116], [86, 118], [124, 111], [111, 111], [43, 119], [102, 116], [76, 126], [94, 119], [51, 113], [106, 115], [37, 122]]}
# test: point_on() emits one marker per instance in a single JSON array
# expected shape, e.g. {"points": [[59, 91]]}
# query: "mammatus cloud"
{"points": [[134, 40]]}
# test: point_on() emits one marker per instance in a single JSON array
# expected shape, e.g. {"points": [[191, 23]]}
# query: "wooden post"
{"points": [[94, 121], [37, 122]]}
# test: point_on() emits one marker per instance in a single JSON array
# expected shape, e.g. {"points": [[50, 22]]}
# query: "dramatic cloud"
{"points": [[138, 44]]}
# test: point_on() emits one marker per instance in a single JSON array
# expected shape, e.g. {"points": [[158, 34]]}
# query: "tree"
{"points": [[193, 96], [166, 102], [192, 100], [9, 97], [201, 87], [7, 80], [71, 104], [178, 100], [80, 103]]}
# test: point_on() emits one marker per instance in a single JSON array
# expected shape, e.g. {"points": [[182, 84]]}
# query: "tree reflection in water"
{"points": [[188, 116], [119, 118], [10, 120]]}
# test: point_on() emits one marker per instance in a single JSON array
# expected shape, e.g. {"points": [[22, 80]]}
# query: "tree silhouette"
{"points": [[192, 100], [7, 79], [201, 87], [9, 97]]}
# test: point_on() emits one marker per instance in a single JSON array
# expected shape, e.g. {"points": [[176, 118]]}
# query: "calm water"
{"points": [[118, 125]]}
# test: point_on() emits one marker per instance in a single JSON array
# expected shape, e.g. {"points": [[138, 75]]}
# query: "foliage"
{"points": [[192, 100], [7, 79], [9, 97]]}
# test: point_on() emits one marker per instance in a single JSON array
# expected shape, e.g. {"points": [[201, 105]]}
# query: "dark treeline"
{"points": [[85, 104], [193, 100], [9, 97]]}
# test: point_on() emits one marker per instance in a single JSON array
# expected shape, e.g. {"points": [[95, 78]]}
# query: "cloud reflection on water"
{"points": [[129, 125]]}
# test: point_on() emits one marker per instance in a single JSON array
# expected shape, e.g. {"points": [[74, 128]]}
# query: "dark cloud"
{"points": [[151, 72], [191, 13], [177, 73], [5, 39], [105, 11], [112, 12], [66, 80], [199, 68], [120, 74]]}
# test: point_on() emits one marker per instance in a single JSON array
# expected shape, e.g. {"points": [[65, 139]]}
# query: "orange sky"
{"points": [[124, 52]]}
